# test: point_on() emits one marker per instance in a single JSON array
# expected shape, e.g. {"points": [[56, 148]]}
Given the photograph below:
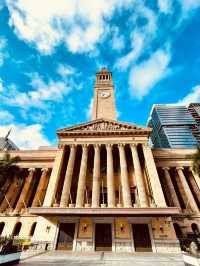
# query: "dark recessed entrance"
{"points": [[66, 236], [141, 237], [103, 237]]}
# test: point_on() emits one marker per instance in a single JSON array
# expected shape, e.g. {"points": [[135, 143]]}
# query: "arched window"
{"points": [[17, 229], [178, 230], [195, 228], [32, 229], [2, 224]]}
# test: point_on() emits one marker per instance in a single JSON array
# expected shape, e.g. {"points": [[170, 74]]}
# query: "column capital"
{"points": [[146, 145], [121, 145], [31, 169], [85, 146], [45, 169], [133, 145], [109, 146], [96, 146], [179, 168], [72, 146], [190, 168], [166, 168]]}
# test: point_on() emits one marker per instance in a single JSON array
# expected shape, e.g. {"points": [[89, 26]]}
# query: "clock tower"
{"points": [[104, 100]]}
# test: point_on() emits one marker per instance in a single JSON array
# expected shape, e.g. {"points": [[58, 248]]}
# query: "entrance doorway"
{"points": [[66, 236], [103, 237], [142, 240]]}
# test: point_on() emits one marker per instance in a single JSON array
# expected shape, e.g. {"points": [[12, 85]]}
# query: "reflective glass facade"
{"points": [[172, 127]]}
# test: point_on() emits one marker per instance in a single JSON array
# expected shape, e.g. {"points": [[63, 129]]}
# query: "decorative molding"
{"points": [[105, 211], [179, 168], [100, 126], [109, 146], [166, 168]]}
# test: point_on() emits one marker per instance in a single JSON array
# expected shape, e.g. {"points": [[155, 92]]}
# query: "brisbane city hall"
{"points": [[103, 188]]}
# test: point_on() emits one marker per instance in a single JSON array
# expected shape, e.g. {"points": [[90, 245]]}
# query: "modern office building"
{"points": [[172, 127], [194, 109], [103, 188]]}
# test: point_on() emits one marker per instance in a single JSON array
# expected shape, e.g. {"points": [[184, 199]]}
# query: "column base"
{"points": [[16, 212], [128, 206], [78, 206], [63, 206], [111, 206]]}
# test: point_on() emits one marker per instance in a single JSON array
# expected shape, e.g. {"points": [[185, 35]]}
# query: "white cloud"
{"points": [[6, 117], [141, 37], [137, 43], [79, 24], [165, 6], [1, 85], [25, 136], [65, 70], [192, 97], [188, 5], [89, 110], [3, 54], [117, 41], [42, 93], [144, 76], [2, 3]]}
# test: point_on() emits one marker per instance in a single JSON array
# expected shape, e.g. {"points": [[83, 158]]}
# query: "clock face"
{"points": [[104, 94]]}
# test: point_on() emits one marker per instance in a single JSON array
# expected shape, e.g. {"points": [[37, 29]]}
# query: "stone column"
{"points": [[140, 186], [96, 177], [9, 196], [39, 195], [24, 196], [196, 177], [153, 177], [170, 186], [110, 177], [54, 178], [186, 188], [68, 177], [82, 178], [126, 195]]}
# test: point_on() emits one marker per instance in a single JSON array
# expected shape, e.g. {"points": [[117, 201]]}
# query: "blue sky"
{"points": [[51, 50]]}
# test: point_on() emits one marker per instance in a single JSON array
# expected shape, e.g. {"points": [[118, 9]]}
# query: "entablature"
{"points": [[33, 158], [105, 211], [173, 157]]}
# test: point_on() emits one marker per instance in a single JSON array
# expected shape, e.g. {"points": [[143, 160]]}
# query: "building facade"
{"points": [[172, 127], [194, 109], [103, 188]]}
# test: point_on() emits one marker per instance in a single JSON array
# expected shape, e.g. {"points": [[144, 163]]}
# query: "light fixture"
{"points": [[122, 227], [85, 227]]}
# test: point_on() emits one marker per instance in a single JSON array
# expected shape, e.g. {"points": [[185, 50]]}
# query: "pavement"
{"points": [[63, 258]]}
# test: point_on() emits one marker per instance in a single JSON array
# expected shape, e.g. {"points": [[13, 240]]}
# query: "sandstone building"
{"points": [[103, 188]]}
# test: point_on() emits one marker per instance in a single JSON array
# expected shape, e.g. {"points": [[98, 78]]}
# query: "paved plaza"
{"points": [[101, 258]]}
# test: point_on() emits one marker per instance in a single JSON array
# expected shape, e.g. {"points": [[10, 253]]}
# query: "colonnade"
{"points": [[182, 183], [22, 190], [141, 184]]}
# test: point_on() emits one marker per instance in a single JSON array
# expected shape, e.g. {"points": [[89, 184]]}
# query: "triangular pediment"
{"points": [[103, 125]]}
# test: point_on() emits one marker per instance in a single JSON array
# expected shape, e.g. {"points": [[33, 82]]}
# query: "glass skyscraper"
{"points": [[172, 127]]}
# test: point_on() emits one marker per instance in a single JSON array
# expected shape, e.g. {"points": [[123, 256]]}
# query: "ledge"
{"points": [[168, 211]]}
